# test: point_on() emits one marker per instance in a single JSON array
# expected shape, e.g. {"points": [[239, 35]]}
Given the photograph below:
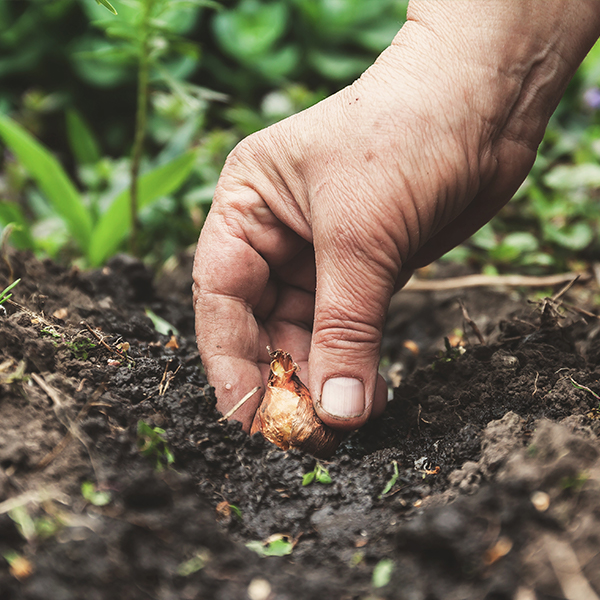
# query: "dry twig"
{"points": [[61, 411], [471, 323], [470, 281], [239, 404]]}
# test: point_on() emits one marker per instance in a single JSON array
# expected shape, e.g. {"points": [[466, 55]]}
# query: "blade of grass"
{"points": [[114, 224], [81, 139], [51, 178]]}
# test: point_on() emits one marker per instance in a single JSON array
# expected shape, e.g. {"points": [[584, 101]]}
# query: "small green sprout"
{"points": [[277, 545], [151, 443], [319, 474], [194, 564], [450, 354], [160, 324], [80, 348], [31, 529], [392, 481], [4, 294], [584, 388], [236, 511], [50, 332], [382, 573], [94, 496]]}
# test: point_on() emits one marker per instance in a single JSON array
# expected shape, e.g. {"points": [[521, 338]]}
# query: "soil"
{"points": [[118, 479]]}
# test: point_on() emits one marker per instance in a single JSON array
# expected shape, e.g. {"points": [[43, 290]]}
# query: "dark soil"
{"points": [[492, 455]]}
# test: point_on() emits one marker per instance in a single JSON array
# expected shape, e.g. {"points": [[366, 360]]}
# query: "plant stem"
{"points": [[140, 125]]}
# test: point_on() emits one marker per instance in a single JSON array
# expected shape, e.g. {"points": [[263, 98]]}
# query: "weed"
{"points": [[584, 388], [152, 444], [4, 294], [80, 348], [31, 529], [50, 332], [276, 545], [392, 481], [319, 474], [93, 495], [449, 354], [382, 573], [236, 511]]}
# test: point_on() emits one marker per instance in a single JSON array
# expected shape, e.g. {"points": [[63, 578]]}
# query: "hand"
{"points": [[317, 220]]}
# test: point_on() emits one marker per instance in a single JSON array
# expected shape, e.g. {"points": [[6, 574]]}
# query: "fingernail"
{"points": [[343, 397]]}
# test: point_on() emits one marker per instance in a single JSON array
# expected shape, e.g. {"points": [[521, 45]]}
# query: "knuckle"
{"points": [[346, 332]]}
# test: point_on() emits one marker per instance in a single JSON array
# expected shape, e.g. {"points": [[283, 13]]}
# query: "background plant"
{"points": [[70, 73]]}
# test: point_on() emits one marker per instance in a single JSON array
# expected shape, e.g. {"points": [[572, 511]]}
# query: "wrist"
{"points": [[515, 57]]}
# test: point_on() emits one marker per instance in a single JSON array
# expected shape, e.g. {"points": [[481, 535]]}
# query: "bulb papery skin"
{"points": [[286, 416]]}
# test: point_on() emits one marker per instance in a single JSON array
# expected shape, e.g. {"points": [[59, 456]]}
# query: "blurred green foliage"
{"points": [[218, 72], [553, 222]]}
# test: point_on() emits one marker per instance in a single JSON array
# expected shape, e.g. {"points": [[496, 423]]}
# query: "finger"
{"points": [[229, 284], [356, 272]]}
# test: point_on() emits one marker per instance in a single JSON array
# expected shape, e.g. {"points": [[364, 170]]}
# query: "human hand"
{"points": [[318, 219]]}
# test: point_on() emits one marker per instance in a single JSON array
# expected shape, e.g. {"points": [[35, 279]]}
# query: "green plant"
{"points": [[95, 496], [449, 354], [97, 237], [31, 528], [392, 480], [80, 348], [152, 444], [5, 295], [584, 388], [319, 474], [276, 545], [382, 573]]}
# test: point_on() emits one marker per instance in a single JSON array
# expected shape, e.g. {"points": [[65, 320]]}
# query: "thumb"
{"points": [[355, 281]]}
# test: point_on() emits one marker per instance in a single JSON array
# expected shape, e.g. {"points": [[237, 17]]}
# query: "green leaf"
{"points": [[337, 65], [160, 324], [569, 177], [382, 573], [392, 481], [4, 295], [108, 5], [308, 478], [256, 546], [276, 547], [251, 29], [573, 237], [280, 547], [81, 139], [51, 178], [93, 496], [115, 223], [322, 475]]}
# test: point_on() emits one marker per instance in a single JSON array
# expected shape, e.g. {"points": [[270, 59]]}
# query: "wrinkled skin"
{"points": [[317, 220]]}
